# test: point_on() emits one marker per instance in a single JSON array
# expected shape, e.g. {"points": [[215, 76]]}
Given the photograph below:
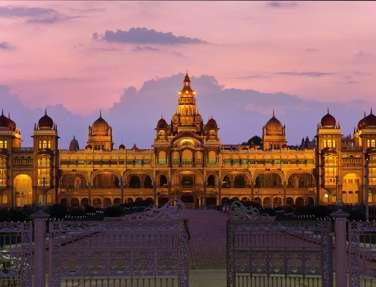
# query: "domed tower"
{"points": [[45, 134], [45, 139], [328, 155], [365, 134], [211, 129], [273, 134], [186, 117], [74, 146], [100, 135], [161, 142], [10, 136]]}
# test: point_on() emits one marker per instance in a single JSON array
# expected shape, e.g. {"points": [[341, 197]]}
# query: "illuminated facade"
{"points": [[188, 161]]}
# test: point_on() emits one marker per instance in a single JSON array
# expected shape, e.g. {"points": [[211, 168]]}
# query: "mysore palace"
{"points": [[187, 161]]}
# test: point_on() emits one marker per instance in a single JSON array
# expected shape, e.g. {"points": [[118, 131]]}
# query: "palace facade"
{"points": [[189, 162]]}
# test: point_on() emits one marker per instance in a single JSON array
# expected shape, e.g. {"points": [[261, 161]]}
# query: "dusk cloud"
{"points": [[234, 109], [281, 4], [34, 14], [5, 46], [309, 74], [145, 36]]}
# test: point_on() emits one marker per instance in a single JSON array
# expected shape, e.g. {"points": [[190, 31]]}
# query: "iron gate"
{"points": [[148, 249], [263, 252], [362, 253], [16, 254]]}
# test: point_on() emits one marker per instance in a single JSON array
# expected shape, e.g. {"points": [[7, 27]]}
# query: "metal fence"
{"points": [[15, 254], [264, 252]]}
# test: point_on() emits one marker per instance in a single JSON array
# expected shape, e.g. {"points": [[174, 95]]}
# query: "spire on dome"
{"points": [[187, 80], [371, 113], [45, 111], [273, 113]]}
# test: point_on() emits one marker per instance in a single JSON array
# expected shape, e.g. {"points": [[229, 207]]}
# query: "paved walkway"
{"points": [[207, 247]]}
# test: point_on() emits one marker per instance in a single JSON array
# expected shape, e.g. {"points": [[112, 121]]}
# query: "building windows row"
{"points": [[371, 143], [44, 177], [329, 143], [44, 144], [3, 144]]}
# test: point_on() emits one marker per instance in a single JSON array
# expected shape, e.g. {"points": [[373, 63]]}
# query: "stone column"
{"points": [[340, 218], [39, 220]]}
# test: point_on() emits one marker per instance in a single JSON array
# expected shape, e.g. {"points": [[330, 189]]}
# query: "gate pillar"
{"points": [[39, 220], [340, 218]]}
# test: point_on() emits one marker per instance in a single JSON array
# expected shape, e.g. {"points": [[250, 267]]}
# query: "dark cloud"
{"points": [[34, 14], [281, 4], [145, 49], [145, 36], [6, 46], [309, 74], [240, 113]]}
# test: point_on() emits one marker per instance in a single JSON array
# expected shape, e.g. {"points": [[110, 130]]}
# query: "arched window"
{"points": [[211, 181], [162, 157], [75, 203], [299, 202], [301, 180], [106, 180], [187, 156], [239, 181], [268, 180], [148, 182], [310, 202], [226, 183], [162, 181], [97, 203], [267, 202], [277, 202], [289, 202], [212, 157], [134, 182]]}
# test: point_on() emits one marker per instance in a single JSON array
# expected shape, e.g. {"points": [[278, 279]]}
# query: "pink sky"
{"points": [[323, 50]]}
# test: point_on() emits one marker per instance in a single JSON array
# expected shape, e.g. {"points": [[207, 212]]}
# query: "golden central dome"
{"points": [[274, 126], [100, 127]]}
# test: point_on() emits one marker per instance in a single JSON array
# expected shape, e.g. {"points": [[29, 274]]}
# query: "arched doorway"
{"points": [[23, 189]]}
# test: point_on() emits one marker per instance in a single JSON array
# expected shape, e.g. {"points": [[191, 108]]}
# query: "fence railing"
{"points": [[143, 249]]}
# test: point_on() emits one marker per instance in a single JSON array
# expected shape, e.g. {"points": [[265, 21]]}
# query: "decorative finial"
{"points": [[187, 80], [8, 115], [273, 113], [364, 114], [327, 110], [2, 112], [371, 111], [45, 111], [100, 113]]}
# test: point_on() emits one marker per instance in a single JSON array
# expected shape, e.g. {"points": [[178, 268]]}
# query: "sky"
{"points": [[77, 58]]}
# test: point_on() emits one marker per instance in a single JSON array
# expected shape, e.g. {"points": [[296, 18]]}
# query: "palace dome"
{"points": [[12, 123], [367, 122], [5, 122], [45, 122], [74, 146], [211, 124], [121, 146], [328, 121], [274, 126], [162, 124], [100, 127]]}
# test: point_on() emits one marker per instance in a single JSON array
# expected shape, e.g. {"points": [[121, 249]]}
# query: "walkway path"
{"points": [[207, 247]]}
